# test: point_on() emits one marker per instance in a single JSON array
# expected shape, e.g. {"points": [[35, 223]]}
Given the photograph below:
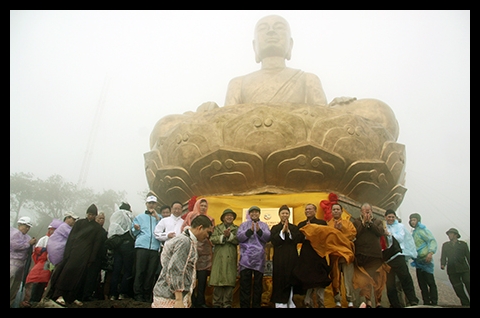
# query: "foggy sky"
{"points": [[168, 62]]}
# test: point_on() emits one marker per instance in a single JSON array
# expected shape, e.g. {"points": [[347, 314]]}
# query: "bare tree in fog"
{"points": [[51, 198]]}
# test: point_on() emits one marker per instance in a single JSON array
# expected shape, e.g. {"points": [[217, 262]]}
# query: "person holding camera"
{"points": [[205, 254], [146, 251], [252, 236], [176, 282]]}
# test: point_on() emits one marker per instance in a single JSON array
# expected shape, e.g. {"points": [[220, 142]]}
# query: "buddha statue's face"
{"points": [[272, 38]]}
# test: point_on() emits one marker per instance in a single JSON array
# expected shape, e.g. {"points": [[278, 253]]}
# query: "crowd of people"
{"points": [[168, 258]]}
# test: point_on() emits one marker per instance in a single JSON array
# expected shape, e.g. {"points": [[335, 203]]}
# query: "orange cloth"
{"points": [[362, 280], [328, 241], [349, 231]]}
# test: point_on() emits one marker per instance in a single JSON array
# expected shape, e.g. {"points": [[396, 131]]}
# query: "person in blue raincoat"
{"points": [[426, 247], [147, 247], [398, 261]]}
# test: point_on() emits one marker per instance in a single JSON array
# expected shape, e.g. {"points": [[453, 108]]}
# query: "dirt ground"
{"points": [[446, 298], [125, 303]]}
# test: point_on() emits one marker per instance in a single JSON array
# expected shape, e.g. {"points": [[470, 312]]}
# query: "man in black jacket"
{"points": [[81, 251], [456, 255]]}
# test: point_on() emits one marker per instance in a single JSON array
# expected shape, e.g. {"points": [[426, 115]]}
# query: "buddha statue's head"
{"points": [[272, 38]]}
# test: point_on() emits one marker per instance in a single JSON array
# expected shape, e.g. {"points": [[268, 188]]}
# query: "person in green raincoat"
{"points": [[223, 275]]}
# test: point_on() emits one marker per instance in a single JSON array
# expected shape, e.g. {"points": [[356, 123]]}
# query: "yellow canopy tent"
{"points": [[296, 201]]}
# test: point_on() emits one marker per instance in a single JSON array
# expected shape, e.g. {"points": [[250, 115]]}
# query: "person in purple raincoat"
{"points": [[56, 242], [252, 236], [20, 249]]}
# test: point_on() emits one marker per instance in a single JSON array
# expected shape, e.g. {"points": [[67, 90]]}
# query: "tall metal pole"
{"points": [[92, 136]]}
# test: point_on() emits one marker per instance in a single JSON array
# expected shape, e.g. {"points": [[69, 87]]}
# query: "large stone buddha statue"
{"points": [[276, 133], [274, 82]]}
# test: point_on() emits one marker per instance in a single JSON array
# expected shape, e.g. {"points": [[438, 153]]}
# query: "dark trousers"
{"points": [[246, 296], [91, 280], [427, 284], [54, 292], [121, 281], [399, 268], [198, 299], [458, 280], [37, 291], [146, 263]]}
